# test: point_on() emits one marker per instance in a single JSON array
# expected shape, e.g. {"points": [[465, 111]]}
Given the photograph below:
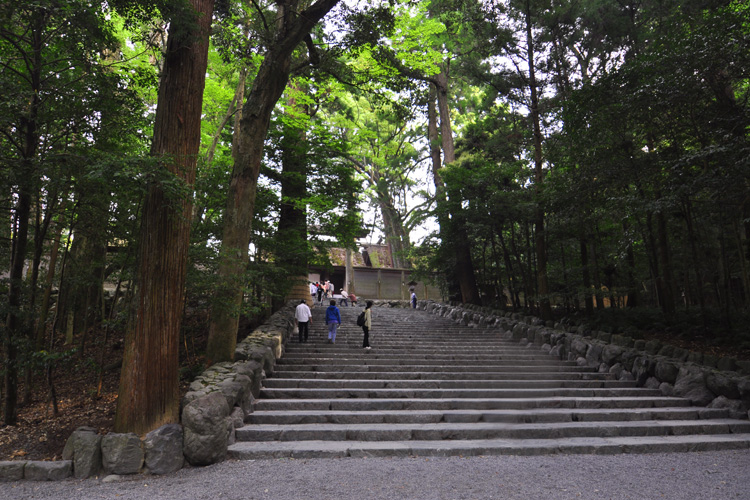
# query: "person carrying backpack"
{"points": [[333, 320], [367, 323]]}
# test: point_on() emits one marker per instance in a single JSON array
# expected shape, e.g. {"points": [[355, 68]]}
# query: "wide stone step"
{"points": [[287, 383], [534, 415], [250, 450], [441, 375], [339, 349], [486, 430], [438, 375], [418, 404], [376, 359], [391, 393], [463, 358], [434, 368]]}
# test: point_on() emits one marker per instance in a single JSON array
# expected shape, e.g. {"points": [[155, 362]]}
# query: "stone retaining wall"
{"points": [[215, 405], [703, 379]]}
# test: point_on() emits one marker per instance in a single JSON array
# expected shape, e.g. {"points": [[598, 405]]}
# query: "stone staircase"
{"points": [[430, 387]]}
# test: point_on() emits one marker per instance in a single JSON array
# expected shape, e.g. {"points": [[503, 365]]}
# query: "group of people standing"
{"points": [[303, 318], [319, 290], [303, 315]]}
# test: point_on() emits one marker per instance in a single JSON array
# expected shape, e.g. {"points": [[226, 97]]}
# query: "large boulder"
{"points": [[122, 453], [235, 389], [691, 384], [163, 449], [83, 447], [642, 369], [207, 427], [579, 347], [594, 354], [666, 371], [723, 384], [611, 353], [734, 406]]}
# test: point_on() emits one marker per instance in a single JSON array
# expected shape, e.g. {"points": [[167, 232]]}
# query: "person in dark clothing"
{"points": [[333, 320], [368, 324], [303, 317]]}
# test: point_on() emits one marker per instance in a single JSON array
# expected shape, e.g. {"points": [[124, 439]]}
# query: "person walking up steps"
{"points": [[303, 317], [333, 320], [367, 325]]}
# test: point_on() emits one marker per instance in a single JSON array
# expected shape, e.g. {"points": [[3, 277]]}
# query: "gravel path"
{"points": [[678, 476]]}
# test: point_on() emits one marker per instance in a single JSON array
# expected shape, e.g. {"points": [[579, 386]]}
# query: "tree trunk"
{"points": [[19, 241], [540, 237], [14, 324], [692, 238], [587, 298], [464, 271], [291, 237], [267, 88], [149, 394], [633, 299], [434, 139], [665, 279]]}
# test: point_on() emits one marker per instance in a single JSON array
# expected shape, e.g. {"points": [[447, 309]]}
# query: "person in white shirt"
{"points": [[344, 300], [303, 318]]}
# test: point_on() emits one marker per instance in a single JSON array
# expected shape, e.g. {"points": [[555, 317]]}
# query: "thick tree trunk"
{"points": [[14, 324], [665, 279], [434, 139], [633, 299], [29, 132], [540, 234], [395, 234], [291, 238], [587, 298], [267, 88], [149, 383], [464, 271]]}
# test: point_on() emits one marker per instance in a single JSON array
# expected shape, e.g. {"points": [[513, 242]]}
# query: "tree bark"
{"points": [[149, 383], [30, 134], [291, 238], [464, 271], [540, 236], [267, 88], [587, 298], [665, 278]]}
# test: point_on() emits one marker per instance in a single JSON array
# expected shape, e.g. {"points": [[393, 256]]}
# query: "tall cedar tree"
{"points": [[149, 384]]}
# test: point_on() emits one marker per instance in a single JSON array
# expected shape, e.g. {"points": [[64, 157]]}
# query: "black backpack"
{"points": [[361, 319]]}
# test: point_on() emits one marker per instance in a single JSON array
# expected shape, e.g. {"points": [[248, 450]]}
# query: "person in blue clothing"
{"points": [[333, 320], [413, 299]]}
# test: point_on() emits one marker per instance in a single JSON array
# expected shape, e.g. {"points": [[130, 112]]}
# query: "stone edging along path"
{"points": [[221, 397], [704, 380]]}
